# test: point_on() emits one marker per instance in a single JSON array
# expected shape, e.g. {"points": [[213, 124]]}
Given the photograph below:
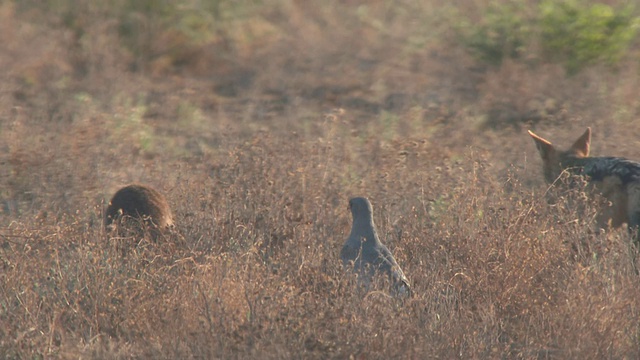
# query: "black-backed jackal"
{"points": [[617, 179]]}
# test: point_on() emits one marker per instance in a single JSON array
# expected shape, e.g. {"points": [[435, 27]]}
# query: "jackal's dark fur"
{"points": [[617, 179]]}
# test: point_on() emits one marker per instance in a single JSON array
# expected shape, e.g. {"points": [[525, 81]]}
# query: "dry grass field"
{"points": [[259, 120]]}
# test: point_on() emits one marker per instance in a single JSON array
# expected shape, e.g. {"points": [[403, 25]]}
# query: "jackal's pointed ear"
{"points": [[581, 146], [544, 147]]}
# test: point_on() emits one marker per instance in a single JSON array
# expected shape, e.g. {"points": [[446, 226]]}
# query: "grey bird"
{"points": [[364, 251]]}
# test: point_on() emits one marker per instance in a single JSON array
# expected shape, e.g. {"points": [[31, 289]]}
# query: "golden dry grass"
{"points": [[258, 157]]}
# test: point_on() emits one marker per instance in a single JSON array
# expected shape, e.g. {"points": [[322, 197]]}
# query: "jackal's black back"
{"points": [[598, 168]]}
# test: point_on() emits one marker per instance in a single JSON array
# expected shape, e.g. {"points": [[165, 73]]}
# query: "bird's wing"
{"points": [[388, 263], [349, 253]]}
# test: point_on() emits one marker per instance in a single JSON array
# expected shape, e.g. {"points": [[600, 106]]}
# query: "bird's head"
{"points": [[361, 208]]}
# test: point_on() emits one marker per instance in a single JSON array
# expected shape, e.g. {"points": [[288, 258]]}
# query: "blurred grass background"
{"points": [[258, 120]]}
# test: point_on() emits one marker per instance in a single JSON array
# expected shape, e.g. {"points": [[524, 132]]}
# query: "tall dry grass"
{"points": [[253, 270], [258, 157]]}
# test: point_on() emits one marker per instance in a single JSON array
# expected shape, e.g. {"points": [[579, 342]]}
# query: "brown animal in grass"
{"points": [[142, 203]]}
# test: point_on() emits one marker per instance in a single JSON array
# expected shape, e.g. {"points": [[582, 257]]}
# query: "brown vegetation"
{"points": [[263, 131]]}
